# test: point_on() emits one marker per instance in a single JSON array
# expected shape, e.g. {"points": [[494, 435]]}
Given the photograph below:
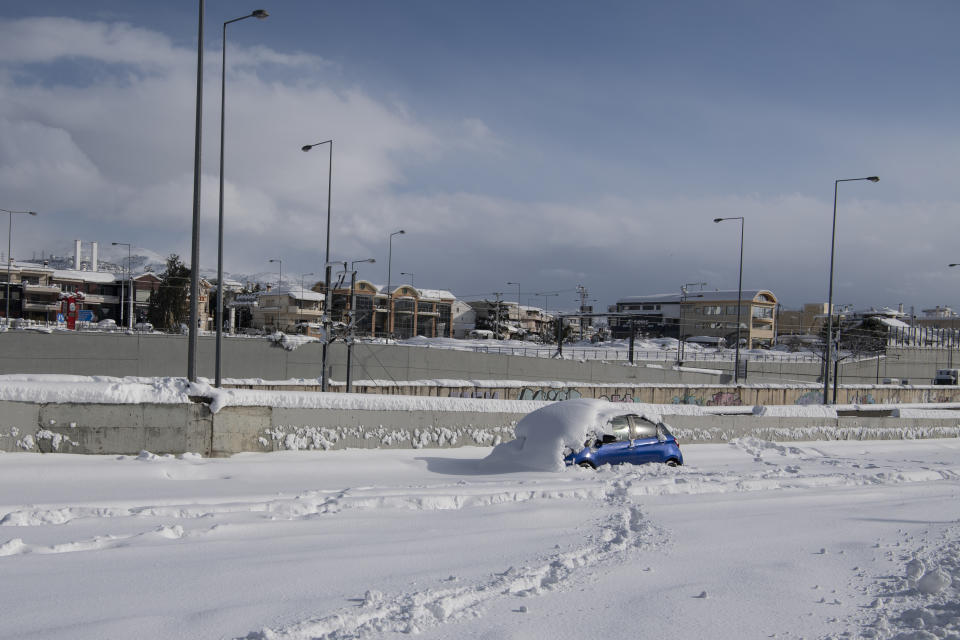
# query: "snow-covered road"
{"points": [[750, 540]]}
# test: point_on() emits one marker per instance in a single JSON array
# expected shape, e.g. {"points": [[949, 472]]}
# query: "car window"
{"points": [[620, 427], [643, 428]]}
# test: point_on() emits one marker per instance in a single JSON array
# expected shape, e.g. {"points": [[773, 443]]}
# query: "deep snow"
{"points": [[751, 539]]}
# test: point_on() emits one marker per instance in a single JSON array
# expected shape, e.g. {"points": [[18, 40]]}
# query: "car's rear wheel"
{"points": [[587, 465], [673, 463]]}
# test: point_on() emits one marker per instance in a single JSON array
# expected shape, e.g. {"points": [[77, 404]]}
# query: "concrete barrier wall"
{"points": [[166, 428], [654, 393], [163, 355]]}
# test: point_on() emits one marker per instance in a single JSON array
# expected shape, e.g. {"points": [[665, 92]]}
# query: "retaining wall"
{"points": [[181, 428]]}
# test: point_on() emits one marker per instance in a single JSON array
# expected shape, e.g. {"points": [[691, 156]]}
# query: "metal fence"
{"points": [[615, 355], [923, 338]]}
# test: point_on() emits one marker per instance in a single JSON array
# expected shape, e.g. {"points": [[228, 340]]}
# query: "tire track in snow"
{"points": [[623, 531]]}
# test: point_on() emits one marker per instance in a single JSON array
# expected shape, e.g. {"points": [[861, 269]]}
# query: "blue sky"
{"points": [[552, 143]]}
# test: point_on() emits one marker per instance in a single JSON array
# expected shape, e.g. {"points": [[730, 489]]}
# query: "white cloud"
{"points": [[112, 153]]}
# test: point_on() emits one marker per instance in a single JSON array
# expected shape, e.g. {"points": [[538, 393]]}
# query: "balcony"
{"points": [[52, 289], [41, 306]]}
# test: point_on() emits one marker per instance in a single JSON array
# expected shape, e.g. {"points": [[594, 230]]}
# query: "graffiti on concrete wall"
{"points": [[811, 397], [486, 395], [726, 399], [616, 397], [718, 399], [549, 394], [864, 398]]}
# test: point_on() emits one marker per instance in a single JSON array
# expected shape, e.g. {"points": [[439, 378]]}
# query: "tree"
{"points": [[169, 306], [860, 338]]}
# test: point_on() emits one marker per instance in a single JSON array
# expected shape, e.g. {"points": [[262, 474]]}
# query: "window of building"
{"points": [[649, 307], [403, 304], [712, 310], [763, 312], [424, 307], [443, 321], [425, 326], [403, 325], [363, 318], [731, 309]]}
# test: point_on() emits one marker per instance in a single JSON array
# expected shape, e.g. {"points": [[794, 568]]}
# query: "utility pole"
{"points": [[582, 292]]}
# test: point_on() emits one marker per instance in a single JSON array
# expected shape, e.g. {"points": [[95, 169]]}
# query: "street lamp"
{"points": [[9, 258], [353, 319], [260, 14], [833, 248], [129, 288], [195, 228], [389, 265], [279, 286], [736, 370], [326, 260]]}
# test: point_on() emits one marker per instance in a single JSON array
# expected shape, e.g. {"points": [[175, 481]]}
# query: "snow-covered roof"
{"points": [[296, 293], [431, 294], [893, 322], [28, 266], [85, 276]]}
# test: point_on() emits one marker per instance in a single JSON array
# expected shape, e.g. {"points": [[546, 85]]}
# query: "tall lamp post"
{"points": [[260, 14], [389, 265], [326, 260], [279, 286], [129, 286], [195, 229], [736, 370], [9, 258], [353, 319], [833, 248]]}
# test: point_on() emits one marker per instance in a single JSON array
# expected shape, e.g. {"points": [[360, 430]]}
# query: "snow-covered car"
{"points": [[143, 326], [107, 324], [586, 432], [628, 439]]}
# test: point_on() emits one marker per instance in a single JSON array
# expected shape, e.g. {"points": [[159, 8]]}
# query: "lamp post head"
{"points": [[260, 14], [954, 264], [306, 147], [33, 213], [873, 179], [718, 219]]}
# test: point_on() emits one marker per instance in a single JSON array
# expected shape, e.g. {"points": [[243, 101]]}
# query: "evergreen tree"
{"points": [[170, 304]]}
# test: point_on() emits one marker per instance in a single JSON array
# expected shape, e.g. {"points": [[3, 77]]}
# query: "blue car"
{"points": [[628, 439]]}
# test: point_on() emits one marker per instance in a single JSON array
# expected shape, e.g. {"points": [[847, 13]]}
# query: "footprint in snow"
{"points": [[702, 596]]}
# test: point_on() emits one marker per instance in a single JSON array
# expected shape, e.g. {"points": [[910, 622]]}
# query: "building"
{"points": [[405, 312], [284, 309], [704, 313]]}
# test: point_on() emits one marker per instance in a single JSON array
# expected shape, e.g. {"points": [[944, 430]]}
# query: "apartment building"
{"points": [[700, 313]]}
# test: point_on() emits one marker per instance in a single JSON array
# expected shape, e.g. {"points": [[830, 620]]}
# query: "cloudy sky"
{"points": [[547, 143]]}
